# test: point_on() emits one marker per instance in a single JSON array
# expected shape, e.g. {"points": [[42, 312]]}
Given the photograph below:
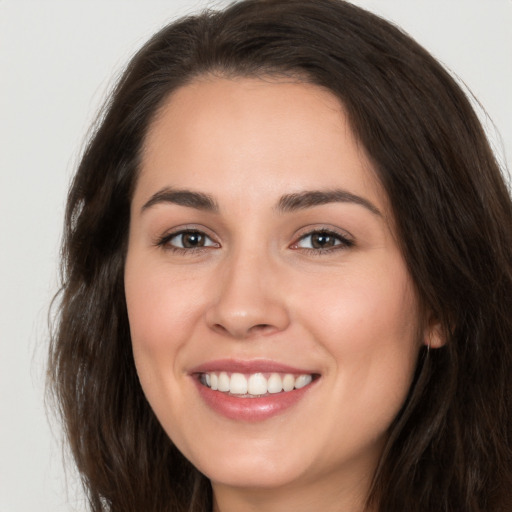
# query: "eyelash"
{"points": [[341, 242], [164, 242]]}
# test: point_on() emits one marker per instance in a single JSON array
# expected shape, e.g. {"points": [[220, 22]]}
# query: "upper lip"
{"points": [[254, 366]]}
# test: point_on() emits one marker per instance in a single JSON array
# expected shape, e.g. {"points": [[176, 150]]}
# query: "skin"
{"points": [[260, 290]]}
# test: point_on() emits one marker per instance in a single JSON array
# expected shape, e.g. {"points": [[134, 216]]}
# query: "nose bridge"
{"points": [[249, 298]]}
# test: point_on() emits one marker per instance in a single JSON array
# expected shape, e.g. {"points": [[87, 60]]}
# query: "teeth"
{"points": [[223, 383], [275, 383], [238, 384], [288, 382], [302, 380], [255, 384]]}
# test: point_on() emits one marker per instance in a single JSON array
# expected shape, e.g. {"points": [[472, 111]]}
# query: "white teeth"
{"points": [[238, 384], [302, 380], [255, 384], [275, 383], [223, 382], [288, 382]]}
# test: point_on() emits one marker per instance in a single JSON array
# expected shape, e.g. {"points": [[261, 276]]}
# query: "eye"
{"points": [[187, 240], [322, 240]]}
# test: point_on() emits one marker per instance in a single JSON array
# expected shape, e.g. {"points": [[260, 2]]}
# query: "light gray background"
{"points": [[57, 60]]}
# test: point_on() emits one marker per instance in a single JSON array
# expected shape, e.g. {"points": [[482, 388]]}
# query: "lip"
{"points": [[250, 409], [254, 366]]}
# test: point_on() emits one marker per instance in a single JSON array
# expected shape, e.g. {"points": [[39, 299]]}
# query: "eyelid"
{"points": [[162, 241], [345, 238]]}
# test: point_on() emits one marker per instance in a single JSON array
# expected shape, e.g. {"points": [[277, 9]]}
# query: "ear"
{"points": [[434, 335]]}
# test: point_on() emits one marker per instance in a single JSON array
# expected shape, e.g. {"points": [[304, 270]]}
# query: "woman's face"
{"points": [[262, 256]]}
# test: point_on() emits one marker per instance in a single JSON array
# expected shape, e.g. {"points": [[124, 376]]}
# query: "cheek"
{"points": [[367, 309], [368, 324], [161, 311]]}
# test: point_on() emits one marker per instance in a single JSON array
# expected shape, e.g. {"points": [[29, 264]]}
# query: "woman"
{"points": [[288, 276]]}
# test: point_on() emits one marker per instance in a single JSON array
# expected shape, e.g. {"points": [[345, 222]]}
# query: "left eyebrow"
{"points": [[309, 198], [188, 198]]}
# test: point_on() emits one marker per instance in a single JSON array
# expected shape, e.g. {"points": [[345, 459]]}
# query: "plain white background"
{"points": [[57, 60]]}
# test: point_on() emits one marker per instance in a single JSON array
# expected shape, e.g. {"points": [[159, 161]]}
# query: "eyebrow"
{"points": [[196, 200], [286, 204], [310, 198]]}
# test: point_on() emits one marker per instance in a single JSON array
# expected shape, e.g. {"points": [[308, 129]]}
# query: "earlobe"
{"points": [[434, 336]]}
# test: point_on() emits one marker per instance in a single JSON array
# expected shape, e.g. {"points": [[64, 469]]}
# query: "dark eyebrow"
{"points": [[196, 200], [309, 198]]}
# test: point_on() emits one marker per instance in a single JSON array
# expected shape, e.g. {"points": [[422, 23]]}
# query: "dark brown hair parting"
{"points": [[449, 449]]}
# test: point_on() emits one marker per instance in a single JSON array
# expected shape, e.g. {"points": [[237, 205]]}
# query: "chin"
{"points": [[251, 474], [246, 463]]}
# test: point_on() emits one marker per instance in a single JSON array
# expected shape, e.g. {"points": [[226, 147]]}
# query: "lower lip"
{"points": [[251, 409]]}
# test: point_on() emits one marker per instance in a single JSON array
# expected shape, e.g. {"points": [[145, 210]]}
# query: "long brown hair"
{"points": [[449, 449]]}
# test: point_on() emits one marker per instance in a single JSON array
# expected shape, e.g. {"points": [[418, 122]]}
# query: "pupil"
{"points": [[322, 240], [191, 240]]}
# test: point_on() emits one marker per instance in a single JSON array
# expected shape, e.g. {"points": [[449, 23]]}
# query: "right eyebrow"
{"points": [[188, 198], [310, 198]]}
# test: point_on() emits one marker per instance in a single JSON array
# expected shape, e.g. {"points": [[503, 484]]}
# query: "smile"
{"points": [[252, 391], [254, 384]]}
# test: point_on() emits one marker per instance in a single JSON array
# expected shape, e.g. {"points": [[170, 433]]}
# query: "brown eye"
{"points": [[323, 240], [188, 240], [192, 240]]}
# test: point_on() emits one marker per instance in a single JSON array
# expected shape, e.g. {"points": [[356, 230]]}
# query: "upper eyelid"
{"points": [[188, 228], [324, 229], [161, 240], [346, 240], [302, 233]]}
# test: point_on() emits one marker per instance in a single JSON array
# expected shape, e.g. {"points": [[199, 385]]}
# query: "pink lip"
{"points": [[255, 366], [249, 409]]}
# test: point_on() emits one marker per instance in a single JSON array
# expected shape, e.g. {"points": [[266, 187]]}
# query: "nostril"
{"points": [[244, 333], [220, 328], [260, 327], [240, 318]]}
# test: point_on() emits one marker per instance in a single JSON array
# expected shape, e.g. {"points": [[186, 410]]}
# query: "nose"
{"points": [[249, 298]]}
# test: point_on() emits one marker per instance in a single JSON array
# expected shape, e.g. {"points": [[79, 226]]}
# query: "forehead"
{"points": [[254, 137]]}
